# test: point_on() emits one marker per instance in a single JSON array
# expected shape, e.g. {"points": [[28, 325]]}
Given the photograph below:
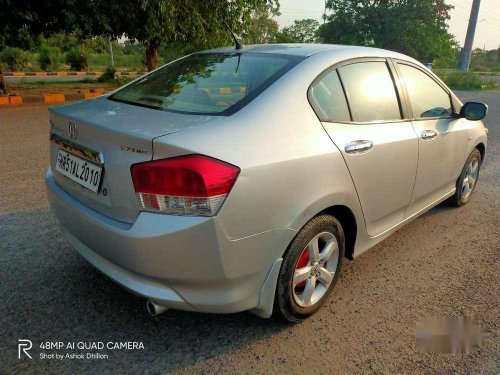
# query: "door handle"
{"points": [[357, 147], [428, 134]]}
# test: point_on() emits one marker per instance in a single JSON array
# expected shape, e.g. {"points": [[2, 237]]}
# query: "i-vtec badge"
{"points": [[133, 149]]}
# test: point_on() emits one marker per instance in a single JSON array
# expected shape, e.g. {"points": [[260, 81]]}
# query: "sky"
{"points": [[487, 30]]}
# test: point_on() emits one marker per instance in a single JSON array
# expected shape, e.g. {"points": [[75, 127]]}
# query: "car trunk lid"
{"points": [[114, 135]]}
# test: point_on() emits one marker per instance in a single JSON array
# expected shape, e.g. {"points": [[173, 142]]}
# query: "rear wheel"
{"points": [[310, 269], [467, 180]]}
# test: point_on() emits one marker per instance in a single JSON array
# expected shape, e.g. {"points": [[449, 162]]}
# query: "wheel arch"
{"points": [[482, 150], [348, 221], [347, 218]]}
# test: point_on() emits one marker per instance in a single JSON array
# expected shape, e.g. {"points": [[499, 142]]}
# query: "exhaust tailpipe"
{"points": [[154, 309]]}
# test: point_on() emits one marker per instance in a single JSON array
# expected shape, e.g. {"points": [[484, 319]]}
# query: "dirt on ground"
{"points": [[445, 263], [67, 89]]}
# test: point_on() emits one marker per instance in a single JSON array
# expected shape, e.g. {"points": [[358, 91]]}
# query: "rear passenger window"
{"points": [[329, 98], [427, 97], [370, 90]]}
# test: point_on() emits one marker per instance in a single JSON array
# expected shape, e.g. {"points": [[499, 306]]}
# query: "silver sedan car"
{"points": [[240, 179]]}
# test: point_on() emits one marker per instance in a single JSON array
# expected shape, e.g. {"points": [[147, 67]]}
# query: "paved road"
{"points": [[445, 263]]}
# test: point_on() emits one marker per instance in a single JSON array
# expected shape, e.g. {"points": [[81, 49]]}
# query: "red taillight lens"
{"points": [[193, 184]]}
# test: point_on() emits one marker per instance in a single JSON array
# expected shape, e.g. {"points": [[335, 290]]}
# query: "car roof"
{"points": [[285, 48], [306, 50]]}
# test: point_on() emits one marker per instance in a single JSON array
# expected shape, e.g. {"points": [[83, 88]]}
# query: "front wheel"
{"points": [[310, 269], [467, 180]]}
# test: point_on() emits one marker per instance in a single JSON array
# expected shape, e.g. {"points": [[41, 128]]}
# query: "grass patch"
{"points": [[67, 87], [457, 80], [487, 73], [131, 62], [95, 62], [33, 84], [109, 76], [83, 83]]}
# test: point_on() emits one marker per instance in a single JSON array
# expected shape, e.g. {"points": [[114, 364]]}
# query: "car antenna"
{"points": [[237, 42]]}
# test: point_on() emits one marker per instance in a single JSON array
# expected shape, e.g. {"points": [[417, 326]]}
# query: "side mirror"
{"points": [[474, 111]]}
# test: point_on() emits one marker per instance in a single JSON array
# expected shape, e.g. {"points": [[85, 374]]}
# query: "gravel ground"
{"points": [[446, 263]]}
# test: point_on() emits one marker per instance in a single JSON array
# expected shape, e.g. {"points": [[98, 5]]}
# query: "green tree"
{"points": [[63, 42], [48, 57], [9, 30], [14, 58], [485, 60], [262, 27], [302, 31], [78, 58], [416, 28], [162, 22], [150, 22], [283, 37], [22, 21]]}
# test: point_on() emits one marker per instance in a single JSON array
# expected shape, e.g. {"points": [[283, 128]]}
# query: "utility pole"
{"points": [[324, 14], [469, 38], [111, 53]]}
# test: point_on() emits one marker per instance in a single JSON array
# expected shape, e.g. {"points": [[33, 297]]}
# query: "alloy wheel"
{"points": [[470, 178], [315, 269]]}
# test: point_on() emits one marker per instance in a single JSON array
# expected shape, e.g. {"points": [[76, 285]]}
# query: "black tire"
{"points": [[457, 199], [285, 303]]}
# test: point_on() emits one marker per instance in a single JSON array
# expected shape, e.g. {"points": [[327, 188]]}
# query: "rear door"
{"points": [[442, 135], [360, 109]]}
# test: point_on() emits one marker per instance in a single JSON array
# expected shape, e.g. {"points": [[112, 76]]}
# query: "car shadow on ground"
{"points": [[440, 209], [49, 293]]}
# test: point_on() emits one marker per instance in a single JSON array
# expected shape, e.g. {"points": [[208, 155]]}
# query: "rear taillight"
{"points": [[189, 185]]}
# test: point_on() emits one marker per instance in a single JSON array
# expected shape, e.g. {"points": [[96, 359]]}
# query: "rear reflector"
{"points": [[189, 185]]}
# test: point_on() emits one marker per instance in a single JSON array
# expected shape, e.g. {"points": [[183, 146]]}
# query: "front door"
{"points": [[378, 146], [442, 137]]}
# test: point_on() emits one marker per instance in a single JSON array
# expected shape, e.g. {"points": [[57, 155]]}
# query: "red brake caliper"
{"points": [[303, 259]]}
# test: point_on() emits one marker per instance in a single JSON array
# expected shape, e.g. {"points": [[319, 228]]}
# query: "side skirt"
{"points": [[369, 242]]}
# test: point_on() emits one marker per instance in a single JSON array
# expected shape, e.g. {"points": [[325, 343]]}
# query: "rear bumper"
{"points": [[180, 262]]}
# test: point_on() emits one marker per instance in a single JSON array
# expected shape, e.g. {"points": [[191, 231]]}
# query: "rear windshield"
{"points": [[207, 83]]}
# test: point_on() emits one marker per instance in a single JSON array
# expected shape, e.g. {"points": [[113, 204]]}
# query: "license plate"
{"points": [[79, 170]]}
